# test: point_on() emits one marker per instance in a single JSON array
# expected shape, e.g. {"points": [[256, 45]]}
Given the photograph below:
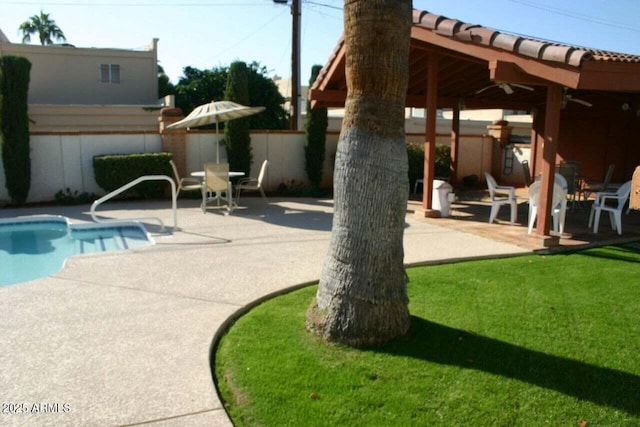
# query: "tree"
{"points": [[264, 92], [197, 87], [362, 296], [237, 135], [42, 25], [14, 125], [165, 87], [315, 129]]}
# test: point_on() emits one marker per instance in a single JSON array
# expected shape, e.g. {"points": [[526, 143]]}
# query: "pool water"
{"points": [[37, 246]]}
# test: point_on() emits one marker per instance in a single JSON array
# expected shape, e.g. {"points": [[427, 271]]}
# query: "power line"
{"points": [[575, 15], [129, 4]]}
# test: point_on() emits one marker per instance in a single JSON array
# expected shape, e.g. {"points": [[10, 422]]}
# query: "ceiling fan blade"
{"points": [[580, 101], [484, 88], [507, 89], [522, 86]]}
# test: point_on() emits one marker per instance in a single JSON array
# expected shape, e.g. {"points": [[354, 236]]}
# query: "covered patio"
{"points": [[585, 104], [470, 214]]}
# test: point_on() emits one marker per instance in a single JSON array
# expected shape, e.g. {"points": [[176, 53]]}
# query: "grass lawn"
{"points": [[528, 341]]}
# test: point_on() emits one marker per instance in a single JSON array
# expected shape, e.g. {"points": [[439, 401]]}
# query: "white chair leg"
{"points": [[556, 227], [533, 212], [618, 219], [514, 211], [596, 221], [612, 221], [264, 196], [494, 213], [591, 217], [563, 215]]}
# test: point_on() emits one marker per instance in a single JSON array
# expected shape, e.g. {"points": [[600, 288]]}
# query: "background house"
{"points": [[90, 89]]}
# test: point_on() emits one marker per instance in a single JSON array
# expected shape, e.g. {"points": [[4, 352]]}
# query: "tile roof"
{"points": [[522, 45]]}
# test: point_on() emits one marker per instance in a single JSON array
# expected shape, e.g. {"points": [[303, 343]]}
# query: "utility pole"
{"points": [[295, 63], [296, 16]]}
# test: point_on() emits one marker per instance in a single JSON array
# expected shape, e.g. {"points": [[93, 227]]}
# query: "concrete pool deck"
{"points": [[123, 338]]}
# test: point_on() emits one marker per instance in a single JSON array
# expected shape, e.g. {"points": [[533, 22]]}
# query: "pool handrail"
{"points": [[133, 183]]}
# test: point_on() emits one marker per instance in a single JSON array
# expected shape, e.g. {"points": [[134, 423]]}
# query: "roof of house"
{"points": [[522, 45], [3, 38], [473, 58]]}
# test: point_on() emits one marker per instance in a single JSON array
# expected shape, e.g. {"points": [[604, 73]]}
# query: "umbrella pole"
{"points": [[217, 144]]}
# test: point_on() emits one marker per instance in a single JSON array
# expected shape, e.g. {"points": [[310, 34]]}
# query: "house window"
{"points": [[110, 73]]}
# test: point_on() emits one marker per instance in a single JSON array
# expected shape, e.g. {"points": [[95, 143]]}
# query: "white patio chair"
{"points": [[558, 179], [558, 201], [252, 184], [216, 180], [508, 198], [186, 184], [615, 210]]}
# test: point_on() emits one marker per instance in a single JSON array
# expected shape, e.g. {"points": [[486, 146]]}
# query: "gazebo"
{"points": [[585, 102]]}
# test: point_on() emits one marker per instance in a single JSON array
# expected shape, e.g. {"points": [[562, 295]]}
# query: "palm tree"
{"points": [[362, 296], [44, 26]]}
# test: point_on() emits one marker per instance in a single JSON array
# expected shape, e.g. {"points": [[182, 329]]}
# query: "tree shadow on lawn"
{"points": [[444, 345]]}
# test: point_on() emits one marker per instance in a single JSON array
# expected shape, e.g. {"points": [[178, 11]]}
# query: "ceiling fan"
{"points": [[506, 87], [566, 97]]}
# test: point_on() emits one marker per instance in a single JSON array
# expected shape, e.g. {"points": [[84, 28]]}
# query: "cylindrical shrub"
{"points": [[316, 134], [14, 125], [237, 132]]}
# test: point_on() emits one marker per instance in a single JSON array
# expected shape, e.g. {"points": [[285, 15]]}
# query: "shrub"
{"points": [[115, 170], [237, 137], [415, 154], [316, 135], [67, 197], [14, 126]]}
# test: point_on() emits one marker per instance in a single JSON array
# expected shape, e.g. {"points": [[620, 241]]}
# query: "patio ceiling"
{"points": [[472, 58]]}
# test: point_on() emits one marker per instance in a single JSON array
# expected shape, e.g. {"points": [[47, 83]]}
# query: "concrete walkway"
{"points": [[123, 338]]}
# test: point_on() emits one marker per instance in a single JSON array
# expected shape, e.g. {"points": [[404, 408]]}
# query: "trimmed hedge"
{"points": [[14, 126], [112, 171]]}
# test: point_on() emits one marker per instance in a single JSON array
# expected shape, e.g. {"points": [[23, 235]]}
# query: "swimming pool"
{"points": [[37, 246]]}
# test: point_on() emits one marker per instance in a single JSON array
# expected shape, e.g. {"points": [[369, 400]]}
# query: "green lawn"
{"points": [[528, 341]]}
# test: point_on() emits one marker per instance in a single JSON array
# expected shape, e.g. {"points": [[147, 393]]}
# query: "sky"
{"points": [[212, 33]]}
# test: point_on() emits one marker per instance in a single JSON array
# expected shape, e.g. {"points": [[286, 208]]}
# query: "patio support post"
{"points": [[174, 140], [430, 138], [455, 144], [549, 151]]}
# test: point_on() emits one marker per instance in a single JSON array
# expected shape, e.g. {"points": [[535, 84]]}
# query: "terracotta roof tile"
{"points": [[522, 45]]}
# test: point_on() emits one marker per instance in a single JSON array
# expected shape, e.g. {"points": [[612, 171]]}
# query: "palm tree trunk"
{"points": [[362, 297]]}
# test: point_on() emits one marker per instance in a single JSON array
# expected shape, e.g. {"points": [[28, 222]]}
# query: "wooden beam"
{"points": [[555, 72], [430, 131], [549, 152], [502, 71], [455, 144]]}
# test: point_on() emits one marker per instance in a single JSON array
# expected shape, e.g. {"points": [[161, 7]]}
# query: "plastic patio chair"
{"points": [[495, 191], [186, 184], [615, 209], [216, 180], [252, 184], [558, 201]]}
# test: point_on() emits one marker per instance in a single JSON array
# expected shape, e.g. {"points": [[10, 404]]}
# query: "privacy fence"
{"points": [[61, 161]]}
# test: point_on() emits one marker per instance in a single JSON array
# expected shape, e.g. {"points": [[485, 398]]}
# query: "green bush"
{"points": [[14, 126], [415, 153], [115, 170], [315, 129], [237, 132]]}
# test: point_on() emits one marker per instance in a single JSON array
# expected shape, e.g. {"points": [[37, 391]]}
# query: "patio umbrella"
{"points": [[215, 112]]}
